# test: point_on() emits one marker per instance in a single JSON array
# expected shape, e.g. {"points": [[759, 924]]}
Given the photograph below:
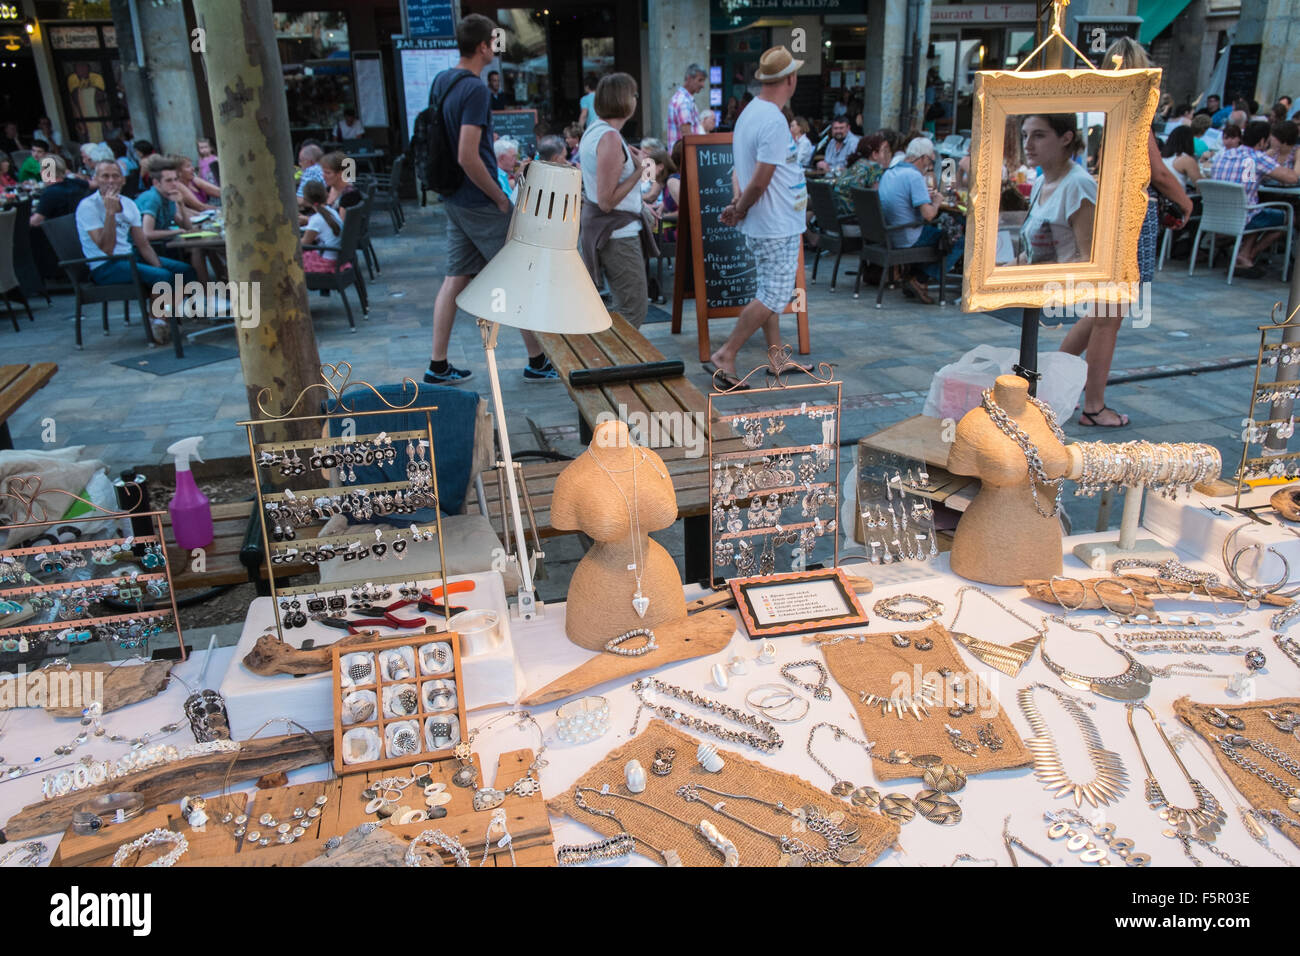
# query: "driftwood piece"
{"points": [[1286, 502], [169, 782], [1118, 593], [725, 599], [270, 655], [123, 685], [362, 847], [694, 636]]}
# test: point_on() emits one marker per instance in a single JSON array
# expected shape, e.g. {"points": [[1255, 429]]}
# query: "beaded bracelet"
{"points": [[887, 608], [613, 645], [613, 848]]}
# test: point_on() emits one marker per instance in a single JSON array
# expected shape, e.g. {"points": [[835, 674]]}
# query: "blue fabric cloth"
{"points": [[1265, 218], [453, 437], [119, 272]]}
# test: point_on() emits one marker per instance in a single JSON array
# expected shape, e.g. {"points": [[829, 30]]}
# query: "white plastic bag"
{"points": [[957, 388]]}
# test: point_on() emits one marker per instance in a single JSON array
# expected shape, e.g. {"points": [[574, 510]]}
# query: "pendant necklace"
{"points": [[1110, 780], [1008, 659], [1202, 821], [489, 798], [840, 833], [650, 690], [1037, 473], [1133, 684], [839, 788], [639, 601], [710, 834]]}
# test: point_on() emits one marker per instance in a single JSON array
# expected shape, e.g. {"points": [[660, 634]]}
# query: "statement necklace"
{"points": [[841, 835], [1202, 821], [1134, 683], [489, 798], [767, 739], [1037, 473], [1008, 659], [1109, 782]]}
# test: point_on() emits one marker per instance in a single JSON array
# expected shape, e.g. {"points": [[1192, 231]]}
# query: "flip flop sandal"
{"points": [[1089, 419]]}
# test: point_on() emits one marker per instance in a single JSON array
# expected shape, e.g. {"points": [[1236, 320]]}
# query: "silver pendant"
{"points": [[488, 798], [465, 776], [640, 603]]}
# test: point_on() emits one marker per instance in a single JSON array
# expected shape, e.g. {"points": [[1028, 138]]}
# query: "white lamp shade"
{"points": [[538, 281]]}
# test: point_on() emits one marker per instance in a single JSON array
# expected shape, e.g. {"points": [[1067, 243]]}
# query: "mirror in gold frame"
{"points": [[1058, 186]]}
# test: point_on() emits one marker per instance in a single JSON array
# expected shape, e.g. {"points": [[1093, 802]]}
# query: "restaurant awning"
{"points": [[1156, 15]]}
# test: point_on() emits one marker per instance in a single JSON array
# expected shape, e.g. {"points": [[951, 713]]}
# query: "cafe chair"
{"points": [[878, 246], [1225, 212], [62, 233], [366, 247], [384, 192], [131, 187], [834, 234], [8, 279], [341, 276]]}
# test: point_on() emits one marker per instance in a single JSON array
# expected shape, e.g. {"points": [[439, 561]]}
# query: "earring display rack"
{"points": [[895, 522], [1257, 432], [291, 519], [69, 604], [784, 489]]}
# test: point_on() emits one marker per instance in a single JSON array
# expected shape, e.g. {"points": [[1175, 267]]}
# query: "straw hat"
{"points": [[776, 64]]}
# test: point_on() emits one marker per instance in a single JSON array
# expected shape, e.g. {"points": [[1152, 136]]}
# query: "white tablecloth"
{"points": [[545, 654]]}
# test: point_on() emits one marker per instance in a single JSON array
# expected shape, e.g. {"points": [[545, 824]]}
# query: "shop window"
{"points": [[316, 56]]}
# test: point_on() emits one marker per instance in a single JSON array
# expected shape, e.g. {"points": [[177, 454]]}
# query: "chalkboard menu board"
{"points": [[429, 18], [1243, 72], [713, 265], [1096, 35], [519, 125]]}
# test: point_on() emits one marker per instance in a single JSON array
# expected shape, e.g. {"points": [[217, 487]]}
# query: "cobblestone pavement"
{"points": [[885, 358]]}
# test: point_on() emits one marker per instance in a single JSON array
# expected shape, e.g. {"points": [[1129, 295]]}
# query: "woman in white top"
{"points": [[1058, 226], [803, 145], [1179, 155], [611, 177]]}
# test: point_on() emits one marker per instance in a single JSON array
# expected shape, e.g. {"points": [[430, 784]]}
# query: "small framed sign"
{"points": [[796, 602]]}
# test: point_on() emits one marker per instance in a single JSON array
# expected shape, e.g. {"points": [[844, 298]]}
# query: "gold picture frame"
{"points": [[1128, 98]]}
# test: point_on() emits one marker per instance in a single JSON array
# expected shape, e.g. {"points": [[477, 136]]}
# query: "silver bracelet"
{"points": [[613, 645], [94, 815], [152, 838], [439, 839]]}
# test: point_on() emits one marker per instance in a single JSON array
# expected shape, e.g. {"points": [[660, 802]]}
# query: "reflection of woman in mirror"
{"points": [[1058, 226], [1095, 334]]}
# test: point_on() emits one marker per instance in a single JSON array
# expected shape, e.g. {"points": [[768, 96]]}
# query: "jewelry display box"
{"points": [[365, 736]]}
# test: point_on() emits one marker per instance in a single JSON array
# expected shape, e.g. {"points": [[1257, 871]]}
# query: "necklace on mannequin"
{"points": [[640, 603], [1037, 473]]}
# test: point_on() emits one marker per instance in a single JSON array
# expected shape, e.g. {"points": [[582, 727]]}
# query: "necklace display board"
{"points": [[1270, 462], [784, 488], [722, 277], [85, 590], [659, 818], [292, 520]]}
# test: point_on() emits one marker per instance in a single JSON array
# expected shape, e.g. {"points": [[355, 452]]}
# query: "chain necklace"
{"points": [[1011, 841], [1110, 780], [669, 857], [1206, 818], [1007, 659], [489, 798], [839, 787], [1250, 817], [639, 601], [730, 855], [1232, 745], [1134, 683], [767, 738], [1170, 570], [1187, 839], [1037, 473], [840, 839]]}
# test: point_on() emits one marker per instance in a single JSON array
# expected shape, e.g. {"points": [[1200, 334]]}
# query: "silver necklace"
{"points": [[489, 798], [841, 838], [1008, 659], [1289, 645], [1232, 746], [767, 739], [1037, 473], [1134, 683], [1205, 819], [1110, 780], [639, 601], [839, 787]]}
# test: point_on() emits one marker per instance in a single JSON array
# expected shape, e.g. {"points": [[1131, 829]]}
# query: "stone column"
{"points": [[679, 36], [168, 72], [1279, 57]]}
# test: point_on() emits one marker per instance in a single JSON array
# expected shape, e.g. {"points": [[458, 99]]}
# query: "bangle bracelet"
{"points": [[96, 814], [152, 838], [582, 720], [614, 645]]}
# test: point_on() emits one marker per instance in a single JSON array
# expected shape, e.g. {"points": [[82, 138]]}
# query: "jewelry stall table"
{"points": [[545, 654]]}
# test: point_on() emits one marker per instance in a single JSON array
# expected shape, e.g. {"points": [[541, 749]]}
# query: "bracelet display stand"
{"points": [[785, 488], [65, 605]]}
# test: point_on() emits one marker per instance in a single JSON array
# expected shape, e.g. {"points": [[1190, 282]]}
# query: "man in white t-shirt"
{"points": [[769, 204]]}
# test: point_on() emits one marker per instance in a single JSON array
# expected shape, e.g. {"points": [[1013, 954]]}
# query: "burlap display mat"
{"points": [[740, 775], [875, 665], [1259, 794]]}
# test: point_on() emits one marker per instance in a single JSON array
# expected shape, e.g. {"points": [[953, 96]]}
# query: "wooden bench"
{"points": [[17, 384]]}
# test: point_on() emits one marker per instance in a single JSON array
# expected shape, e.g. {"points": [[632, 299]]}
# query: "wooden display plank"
{"points": [[919, 437], [213, 840]]}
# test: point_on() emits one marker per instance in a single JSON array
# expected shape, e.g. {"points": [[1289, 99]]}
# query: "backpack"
{"points": [[431, 145]]}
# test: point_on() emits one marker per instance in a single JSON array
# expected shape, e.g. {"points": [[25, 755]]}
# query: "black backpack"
{"points": [[431, 145]]}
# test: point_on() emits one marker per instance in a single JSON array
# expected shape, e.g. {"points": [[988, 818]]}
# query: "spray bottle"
{"points": [[190, 510]]}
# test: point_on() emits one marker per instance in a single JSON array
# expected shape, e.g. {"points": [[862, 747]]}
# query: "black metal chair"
{"points": [[364, 242], [385, 189], [878, 245], [834, 234], [340, 277], [62, 233], [131, 187], [8, 280]]}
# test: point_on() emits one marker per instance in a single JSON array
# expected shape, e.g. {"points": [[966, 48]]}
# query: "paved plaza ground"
{"points": [[885, 358]]}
